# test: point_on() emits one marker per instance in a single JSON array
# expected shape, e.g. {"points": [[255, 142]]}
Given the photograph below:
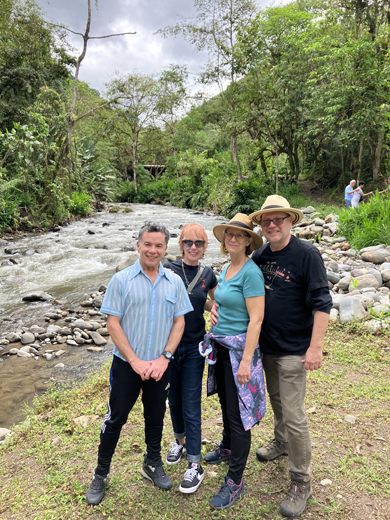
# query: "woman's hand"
{"points": [[244, 372]]}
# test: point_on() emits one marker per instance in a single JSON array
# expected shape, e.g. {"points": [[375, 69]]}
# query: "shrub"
{"points": [[125, 192], [80, 204], [367, 225]]}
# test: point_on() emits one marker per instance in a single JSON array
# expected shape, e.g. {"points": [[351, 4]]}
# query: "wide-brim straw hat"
{"points": [[276, 203], [242, 222]]}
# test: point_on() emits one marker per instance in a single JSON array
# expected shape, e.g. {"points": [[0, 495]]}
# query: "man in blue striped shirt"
{"points": [[145, 304]]}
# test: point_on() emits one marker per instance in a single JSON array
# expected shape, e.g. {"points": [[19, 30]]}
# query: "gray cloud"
{"points": [[147, 52]]}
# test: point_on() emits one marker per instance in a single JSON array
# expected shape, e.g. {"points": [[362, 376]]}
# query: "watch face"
{"points": [[167, 354]]}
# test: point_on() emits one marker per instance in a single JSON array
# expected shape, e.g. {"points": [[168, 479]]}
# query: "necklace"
{"points": [[185, 277]]}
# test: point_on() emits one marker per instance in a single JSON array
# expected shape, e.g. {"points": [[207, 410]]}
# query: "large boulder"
{"points": [[127, 263], [367, 280], [351, 309], [38, 296], [375, 257], [372, 248]]}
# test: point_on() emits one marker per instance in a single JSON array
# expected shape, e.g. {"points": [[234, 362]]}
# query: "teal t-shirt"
{"points": [[230, 296]]}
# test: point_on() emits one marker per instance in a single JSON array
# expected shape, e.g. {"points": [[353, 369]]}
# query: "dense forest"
{"points": [[304, 93]]}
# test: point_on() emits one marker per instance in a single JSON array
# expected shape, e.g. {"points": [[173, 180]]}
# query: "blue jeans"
{"points": [[184, 397], [347, 203]]}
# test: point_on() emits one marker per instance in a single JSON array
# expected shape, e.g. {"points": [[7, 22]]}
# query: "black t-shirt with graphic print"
{"points": [[296, 285], [194, 330]]}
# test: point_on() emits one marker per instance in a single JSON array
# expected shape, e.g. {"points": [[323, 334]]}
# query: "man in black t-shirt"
{"points": [[297, 307]]}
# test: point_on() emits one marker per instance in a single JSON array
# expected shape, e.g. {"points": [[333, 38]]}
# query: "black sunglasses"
{"points": [[189, 243]]}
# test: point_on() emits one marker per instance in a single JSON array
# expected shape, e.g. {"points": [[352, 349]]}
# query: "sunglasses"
{"points": [[277, 221], [190, 243]]}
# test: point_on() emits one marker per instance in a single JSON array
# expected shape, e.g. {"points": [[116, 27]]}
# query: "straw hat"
{"points": [[242, 222], [276, 203]]}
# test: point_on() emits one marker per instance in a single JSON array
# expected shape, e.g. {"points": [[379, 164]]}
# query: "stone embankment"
{"points": [[359, 281]]}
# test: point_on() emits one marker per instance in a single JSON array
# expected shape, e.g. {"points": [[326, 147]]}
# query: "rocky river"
{"points": [[69, 264]]}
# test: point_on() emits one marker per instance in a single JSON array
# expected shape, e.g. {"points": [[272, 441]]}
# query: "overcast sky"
{"points": [[146, 52]]}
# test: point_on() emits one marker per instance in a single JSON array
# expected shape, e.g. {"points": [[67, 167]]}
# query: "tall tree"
{"points": [[215, 30]]}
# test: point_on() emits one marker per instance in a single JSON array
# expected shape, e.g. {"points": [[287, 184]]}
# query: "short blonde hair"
{"points": [[199, 231]]}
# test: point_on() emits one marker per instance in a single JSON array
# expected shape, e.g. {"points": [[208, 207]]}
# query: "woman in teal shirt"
{"points": [[240, 298]]}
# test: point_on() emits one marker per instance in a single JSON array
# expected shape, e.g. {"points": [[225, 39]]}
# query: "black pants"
{"points": [[235, 438], [125, 389]]}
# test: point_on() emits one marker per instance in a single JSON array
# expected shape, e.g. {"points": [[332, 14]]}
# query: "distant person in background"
{"points": [[349, 191], [357, 194], [387, 190], [185, 392]]}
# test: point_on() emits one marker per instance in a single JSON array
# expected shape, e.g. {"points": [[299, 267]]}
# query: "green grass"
{"points": [[47, 465]]}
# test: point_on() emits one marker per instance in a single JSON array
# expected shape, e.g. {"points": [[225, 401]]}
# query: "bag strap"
{"points": [[195, 280]]}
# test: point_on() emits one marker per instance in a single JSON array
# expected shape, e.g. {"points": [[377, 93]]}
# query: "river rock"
{"points": [[6, 263], [102, 331], [372, 248], [127, 263], [13, 351], [332, 264], [29, 252], [65, 331], [12, 337], [60, 353], [97, 302], [29, 349], [83, 325], [37, 297], [23, 354], [351, 309], [3, 433], [102, 289], [344, 283], [376, 274], [59, 366], [385, 275], [367, 280], [27, 337], [61, 340], [10, 251], [79, 340], [71, 342], [97, 338], [305, 234], [52, 329], [37, 329], [308, 210], [94, 349], [332, 277], [375, 257]]}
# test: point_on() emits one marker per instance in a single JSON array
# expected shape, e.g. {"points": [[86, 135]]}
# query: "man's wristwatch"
{"points": [[168, 355]]}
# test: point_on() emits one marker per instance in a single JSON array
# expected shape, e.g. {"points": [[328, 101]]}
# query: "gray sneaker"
{"points": [[96, 490], [272, 451], [157, 475], [295, 502]]}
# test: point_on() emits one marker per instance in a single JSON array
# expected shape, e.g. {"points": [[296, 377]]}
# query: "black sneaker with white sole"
{"points": [[192, 478], [157, 475], [176, 453], [96, 490]]}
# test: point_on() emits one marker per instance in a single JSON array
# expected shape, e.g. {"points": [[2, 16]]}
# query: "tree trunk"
{"points": [[342, 167], [276, 170], [263, 163], [134, 168], [376, 164], [360, 160], [232, 149], [235, 149]]}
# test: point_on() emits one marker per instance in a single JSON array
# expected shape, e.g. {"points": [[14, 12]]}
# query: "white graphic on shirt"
{"points": [[271, 271]]}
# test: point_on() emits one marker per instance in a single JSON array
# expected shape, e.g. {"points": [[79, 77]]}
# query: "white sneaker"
{"points": [[176, 453], [192, 478]]}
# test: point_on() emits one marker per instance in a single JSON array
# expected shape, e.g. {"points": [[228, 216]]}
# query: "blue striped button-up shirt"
{"points": [[146, 310]]}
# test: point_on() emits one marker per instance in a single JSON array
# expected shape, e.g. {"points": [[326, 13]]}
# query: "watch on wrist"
{"points": [[168, 355]]}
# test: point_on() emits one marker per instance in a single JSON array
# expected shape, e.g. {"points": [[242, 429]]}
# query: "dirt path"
{"points": [[312, 191]]}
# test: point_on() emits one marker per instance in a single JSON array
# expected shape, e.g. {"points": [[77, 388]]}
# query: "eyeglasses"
{"points": [[238, 237], [190, 243], [277, 221]]}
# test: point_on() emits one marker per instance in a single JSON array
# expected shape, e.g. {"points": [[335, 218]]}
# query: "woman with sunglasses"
{"points": [[235, 368], [185, 390]]}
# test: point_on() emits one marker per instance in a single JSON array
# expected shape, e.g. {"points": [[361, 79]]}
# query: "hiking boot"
{"points": [[295, 502], [95, 492], [157, 475], [176, 453], [228, 494], [192, 478], [272, 451], [218, 455]]}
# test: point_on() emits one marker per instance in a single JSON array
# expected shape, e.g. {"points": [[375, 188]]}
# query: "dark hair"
{"points": [[361, 183], [149, 227]]}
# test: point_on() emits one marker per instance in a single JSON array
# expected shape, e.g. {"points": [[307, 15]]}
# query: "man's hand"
{"points": [[142, 368], [214, 314], [158, 367], [244, 372], [313, 358]]}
